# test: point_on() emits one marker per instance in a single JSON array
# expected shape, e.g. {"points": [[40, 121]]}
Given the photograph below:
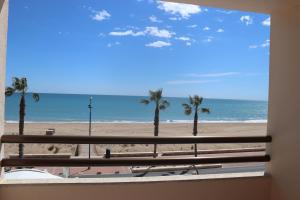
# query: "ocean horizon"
{"points": [[73, 108]]}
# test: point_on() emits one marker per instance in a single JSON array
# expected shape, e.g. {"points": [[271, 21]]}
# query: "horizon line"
{"points": [[216, 98]]}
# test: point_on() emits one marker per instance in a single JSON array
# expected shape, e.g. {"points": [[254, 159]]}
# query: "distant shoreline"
{"points": [[143, 96], [142, 122]]}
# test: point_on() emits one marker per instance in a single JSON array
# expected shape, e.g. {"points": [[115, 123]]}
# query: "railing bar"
{"points": [[39, 162], [38, 139]]}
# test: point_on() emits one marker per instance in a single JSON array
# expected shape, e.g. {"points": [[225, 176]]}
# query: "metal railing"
{"points": [[76, 162]]}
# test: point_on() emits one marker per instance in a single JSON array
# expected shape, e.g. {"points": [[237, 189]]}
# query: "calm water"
{"points": [[74, 108]]}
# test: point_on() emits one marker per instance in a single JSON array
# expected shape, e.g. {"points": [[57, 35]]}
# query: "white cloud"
{"points": [[220, 30], [183, 38], [206, 28], [267, 22], [254, 46], [209, 78], [184, 11], [158, 44], [154, 19], [149, 1], [227, 12], [208, 39], [248, 20], [220, 20], [182, 82], [101, 15], [109, 45], [174, 18], [151, 30], [63, 33], [265, 44], [193, 26], [154, 31], [188, 41], [197, 81], [214, 75], [132, 27], [101, 35], [127, 33]]}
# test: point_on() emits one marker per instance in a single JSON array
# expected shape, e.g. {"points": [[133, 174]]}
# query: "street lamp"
{"points": [[90, 124]]}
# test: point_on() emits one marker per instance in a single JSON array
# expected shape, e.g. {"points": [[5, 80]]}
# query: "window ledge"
{"points": [[133, 180]]}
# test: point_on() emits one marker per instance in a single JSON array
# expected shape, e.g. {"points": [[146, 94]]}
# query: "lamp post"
{"points": [[90, 124]]}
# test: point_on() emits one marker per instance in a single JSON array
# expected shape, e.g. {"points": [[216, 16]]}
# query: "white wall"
{"points": [[284, 126], [284, 104], [3, 36]]}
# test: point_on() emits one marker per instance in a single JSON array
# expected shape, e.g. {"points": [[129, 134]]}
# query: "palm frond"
{"points": [[159, 93], [20, 84], [152, 95], [24, 84], [9, 91], [165, 102], [197, 100], [162, 107], [201, 100], [191, 100], [155, 95], [145, 101], [205, 110], [15, 80], [187, 109], [36, 97], [16, 83]]}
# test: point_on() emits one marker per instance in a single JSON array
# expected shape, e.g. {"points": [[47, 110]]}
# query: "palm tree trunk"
{"points": [[195, 129], [21, 123], [156, 129]]}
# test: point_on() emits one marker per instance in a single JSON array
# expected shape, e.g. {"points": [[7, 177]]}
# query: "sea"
{"points": [[73, 108]]}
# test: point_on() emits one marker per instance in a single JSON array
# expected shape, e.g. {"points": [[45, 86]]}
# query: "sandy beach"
{"points": [[134, 129]]}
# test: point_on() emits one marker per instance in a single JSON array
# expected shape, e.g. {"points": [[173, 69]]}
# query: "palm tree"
{"points": [[19, 85], [194, 106], [160, 104]]}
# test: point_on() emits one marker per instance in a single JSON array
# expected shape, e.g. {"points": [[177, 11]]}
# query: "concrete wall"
{"points": [[283, 125], [255, 188], [261, 6], [284, 104], [3, 36]]}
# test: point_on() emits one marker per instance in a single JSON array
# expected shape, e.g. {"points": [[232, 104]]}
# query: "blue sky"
{"points": [[128, 47]]}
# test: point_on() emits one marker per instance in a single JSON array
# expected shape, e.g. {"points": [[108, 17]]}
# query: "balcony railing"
{"points": [[76, 162]]}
